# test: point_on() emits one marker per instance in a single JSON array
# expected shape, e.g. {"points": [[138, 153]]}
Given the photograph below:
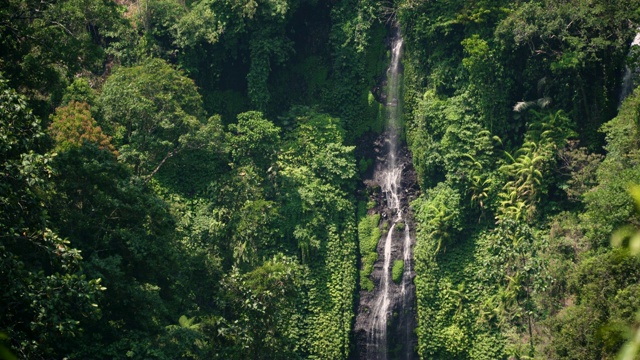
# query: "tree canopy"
{"points": [[193, 179]]}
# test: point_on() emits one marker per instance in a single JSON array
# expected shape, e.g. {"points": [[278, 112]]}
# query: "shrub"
{"points": [[397, 271]]}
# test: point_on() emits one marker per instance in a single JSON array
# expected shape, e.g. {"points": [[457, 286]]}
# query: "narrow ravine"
{"points": [[386, 317]]}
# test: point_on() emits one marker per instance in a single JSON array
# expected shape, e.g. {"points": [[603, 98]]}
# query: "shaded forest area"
{"points": [[180, 179]]}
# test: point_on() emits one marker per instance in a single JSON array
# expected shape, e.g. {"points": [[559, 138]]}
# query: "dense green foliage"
{"points": [[368, 236], [42, 280], [178, 179], [397, 270], [506, 106], [194, 194]]}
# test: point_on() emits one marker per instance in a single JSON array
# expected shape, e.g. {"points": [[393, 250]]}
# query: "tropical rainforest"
{"points": [[181, 179]]}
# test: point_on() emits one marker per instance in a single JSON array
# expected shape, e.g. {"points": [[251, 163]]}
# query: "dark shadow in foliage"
{"points": [[45, 297], [125, 233]]}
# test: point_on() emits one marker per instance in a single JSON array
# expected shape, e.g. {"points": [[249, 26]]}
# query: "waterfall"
{"points": [[628, 83], [386, 317]]}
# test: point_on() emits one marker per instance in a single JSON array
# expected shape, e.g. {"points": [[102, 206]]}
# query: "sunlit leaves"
{"points": [[267, 302], [73, 125], [629, 235], [316, 172], [525, 170], [439, 214], [254, 230], [155, 110], [254, 139]]}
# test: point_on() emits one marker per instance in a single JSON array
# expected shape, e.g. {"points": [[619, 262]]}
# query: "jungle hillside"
{"points": [[187, 179]]}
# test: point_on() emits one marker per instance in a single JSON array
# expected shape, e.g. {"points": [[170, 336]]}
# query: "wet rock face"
{"points": [[400, 337], [408, 179], [386, 316]]}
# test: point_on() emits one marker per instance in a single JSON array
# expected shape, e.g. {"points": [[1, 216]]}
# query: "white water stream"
{"points": [[389, 177], [628, 77]]}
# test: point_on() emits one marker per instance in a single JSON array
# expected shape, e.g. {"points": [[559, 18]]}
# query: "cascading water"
{"points": [[386, 316], [628, 82]]}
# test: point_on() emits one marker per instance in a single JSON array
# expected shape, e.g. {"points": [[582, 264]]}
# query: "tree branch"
{"points": [[169, 154]]}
